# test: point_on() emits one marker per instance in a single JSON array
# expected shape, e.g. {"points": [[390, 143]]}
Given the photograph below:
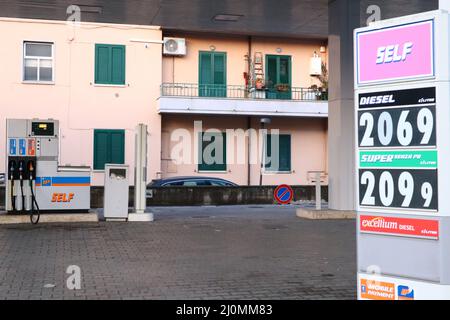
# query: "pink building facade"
{"points": [[101, 80]]}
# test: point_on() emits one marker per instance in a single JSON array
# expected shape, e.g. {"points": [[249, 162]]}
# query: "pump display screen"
{"points": [[42, 129]]}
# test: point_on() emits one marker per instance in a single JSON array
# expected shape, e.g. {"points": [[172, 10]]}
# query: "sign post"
{"points": [[402, 94]]}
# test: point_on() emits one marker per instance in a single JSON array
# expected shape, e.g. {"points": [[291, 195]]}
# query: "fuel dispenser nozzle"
{"points": [[21, 173], [31, 168], [12, 169]]}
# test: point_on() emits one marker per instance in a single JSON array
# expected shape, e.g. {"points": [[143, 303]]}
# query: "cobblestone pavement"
{"points": [[255, 252]]}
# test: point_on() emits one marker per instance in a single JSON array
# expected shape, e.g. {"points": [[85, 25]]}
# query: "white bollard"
{"points": [[318, 192]]}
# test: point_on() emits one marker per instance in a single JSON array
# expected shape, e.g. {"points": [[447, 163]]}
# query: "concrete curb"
{"points": [[313, 214], [49, 218]]}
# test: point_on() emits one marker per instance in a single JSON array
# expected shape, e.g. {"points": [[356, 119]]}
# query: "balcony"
{"points": [[241, 100]]}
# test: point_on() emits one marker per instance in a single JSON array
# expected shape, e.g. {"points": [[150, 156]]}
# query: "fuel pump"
{"points": [[36, 182]]}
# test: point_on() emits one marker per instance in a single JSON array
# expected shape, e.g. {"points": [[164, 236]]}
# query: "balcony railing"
{"points": [[241, 92]]}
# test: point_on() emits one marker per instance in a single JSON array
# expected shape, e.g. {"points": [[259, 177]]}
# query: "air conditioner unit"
{"points": [[174, 46]]}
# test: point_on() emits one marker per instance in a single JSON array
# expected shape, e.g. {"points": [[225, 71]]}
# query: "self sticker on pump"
{"points": [[62, 197]]}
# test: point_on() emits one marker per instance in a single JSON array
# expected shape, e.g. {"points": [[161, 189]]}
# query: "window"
{"points": [[109, 64], [212, 74], [278, 82], [109, 147], [212, 151], [38, 62], [282, 161]]}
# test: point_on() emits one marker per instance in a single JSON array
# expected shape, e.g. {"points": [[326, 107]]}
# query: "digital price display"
{"points": [[42, 129]]}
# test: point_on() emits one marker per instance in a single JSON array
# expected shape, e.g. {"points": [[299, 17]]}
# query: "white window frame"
{"points": [[38, 58]]}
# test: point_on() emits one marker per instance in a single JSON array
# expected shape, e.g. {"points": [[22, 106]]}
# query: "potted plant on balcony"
{"points": [[259, 84], [258, 90], [323, 79], [282, 87]]}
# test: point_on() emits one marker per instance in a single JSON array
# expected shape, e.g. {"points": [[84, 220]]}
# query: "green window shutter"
{"points": [[220, 74], [109, 64], [212, 74], [109, 147], [219, 68], [285, 65], [118, 64], [203, 144], [284, 156], [272, 71], [102, 64], [117, 147], [100, 149], [206, 68], [285, 152]]}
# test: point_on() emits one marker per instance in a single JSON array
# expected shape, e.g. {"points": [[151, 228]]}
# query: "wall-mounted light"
{"points": [[323, 49], [212, 48], [279, 50]]}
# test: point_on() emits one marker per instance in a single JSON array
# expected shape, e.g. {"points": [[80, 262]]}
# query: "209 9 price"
{"points": [[397, 188]]}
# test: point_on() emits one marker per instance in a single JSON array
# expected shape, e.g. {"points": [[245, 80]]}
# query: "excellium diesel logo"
{"points": [[379, 222]]}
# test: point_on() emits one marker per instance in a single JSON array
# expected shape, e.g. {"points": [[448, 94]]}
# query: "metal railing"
{"points": [[240, 92]]}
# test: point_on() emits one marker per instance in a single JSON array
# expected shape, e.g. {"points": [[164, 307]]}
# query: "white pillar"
{"points": [[344, 16], [318, 192], [140, 176], [444, 4]]}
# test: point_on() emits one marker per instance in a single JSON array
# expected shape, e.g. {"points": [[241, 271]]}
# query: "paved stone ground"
{"points": [[255, 252]]}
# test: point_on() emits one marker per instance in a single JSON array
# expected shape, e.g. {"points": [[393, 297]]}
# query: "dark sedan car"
{"points": [[191, 182]]}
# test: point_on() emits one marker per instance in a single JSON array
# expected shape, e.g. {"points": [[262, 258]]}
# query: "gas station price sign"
{"points": [[397, 149]]}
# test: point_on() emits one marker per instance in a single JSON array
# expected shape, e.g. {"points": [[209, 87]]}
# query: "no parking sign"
{"points": [[283, 194]]}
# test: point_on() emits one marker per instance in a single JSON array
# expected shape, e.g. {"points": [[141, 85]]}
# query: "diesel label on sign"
{"points": [[408, 97]]}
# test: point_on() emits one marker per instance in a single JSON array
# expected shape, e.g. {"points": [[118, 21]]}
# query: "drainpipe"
{"points": [[249, 119], [249, 58], [249, 126]]}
